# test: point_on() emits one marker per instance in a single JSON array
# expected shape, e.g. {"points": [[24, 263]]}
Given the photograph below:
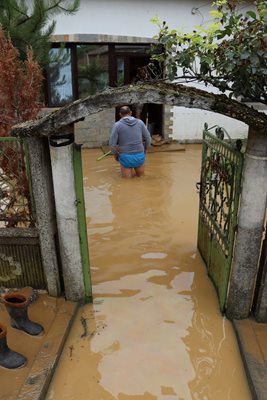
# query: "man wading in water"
{"points": [[126, 142]]}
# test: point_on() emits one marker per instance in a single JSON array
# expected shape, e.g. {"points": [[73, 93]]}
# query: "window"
{"points": [[59, 77], [93, 74], [120, 72], [80, 70], [130, 59]]}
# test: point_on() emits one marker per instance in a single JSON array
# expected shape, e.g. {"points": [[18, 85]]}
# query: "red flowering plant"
{"points": [[20, 84]]}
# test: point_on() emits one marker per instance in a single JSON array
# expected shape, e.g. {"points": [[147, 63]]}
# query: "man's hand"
{"points": [[116, 156]]}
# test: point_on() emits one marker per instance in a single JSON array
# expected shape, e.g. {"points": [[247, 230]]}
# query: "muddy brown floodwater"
{"points": [[154, 331]]}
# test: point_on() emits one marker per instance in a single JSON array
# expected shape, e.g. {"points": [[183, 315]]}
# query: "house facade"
{"points": [[106, 44]]}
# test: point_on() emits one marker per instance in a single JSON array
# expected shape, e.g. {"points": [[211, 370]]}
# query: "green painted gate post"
{"points": [[78, 175]]}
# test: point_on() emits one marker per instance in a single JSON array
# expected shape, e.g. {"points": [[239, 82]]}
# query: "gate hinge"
{"points": [[198, 186]]}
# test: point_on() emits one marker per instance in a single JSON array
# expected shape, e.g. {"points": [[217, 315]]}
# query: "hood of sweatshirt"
{"points": [[129, 121]]}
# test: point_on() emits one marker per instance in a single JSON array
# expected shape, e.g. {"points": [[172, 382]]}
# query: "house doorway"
{"points": [[150, 114], [129, 63]]}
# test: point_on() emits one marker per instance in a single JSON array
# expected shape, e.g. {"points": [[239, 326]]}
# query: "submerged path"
{"points": [[155, 331]]}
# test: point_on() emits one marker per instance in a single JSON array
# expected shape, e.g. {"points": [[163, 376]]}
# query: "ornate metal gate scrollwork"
{"points": [[220, 188]]}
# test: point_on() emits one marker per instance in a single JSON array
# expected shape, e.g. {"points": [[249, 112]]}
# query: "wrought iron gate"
{"points": [[220, 188]]}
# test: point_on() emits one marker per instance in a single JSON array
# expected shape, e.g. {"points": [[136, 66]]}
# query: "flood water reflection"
{"points": [[155, 329]]}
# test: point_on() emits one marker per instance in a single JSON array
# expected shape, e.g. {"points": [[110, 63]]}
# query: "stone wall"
{"points": [[94, 131], [167, 122]]}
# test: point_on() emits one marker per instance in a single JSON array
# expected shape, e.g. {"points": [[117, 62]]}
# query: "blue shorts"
{"points": [[132, 160]]}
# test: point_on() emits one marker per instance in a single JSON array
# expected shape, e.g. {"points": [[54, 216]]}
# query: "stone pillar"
{"points": [[261, 305], [167, 124], [42, 188], [61, 151], [250, 228]]}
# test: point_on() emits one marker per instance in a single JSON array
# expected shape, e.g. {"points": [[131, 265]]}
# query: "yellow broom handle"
{"points": [[103, 156]]}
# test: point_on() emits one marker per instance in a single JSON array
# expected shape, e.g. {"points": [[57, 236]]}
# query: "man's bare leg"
{"points": [[140, 171], [126, 172]]}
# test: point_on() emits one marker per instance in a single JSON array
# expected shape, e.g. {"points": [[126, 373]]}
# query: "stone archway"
{"points": [[157, 92], [250, 224]]}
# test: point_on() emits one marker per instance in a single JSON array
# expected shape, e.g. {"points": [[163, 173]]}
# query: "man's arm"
{"points": [[113, 141], [146, 137]]}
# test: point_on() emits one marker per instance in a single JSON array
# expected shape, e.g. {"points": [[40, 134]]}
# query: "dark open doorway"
{"points": [[150, 114], [129, 61]]}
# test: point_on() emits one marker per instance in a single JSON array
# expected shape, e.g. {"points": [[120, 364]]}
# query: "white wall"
{"points": [[132, 18], [188, 124]]}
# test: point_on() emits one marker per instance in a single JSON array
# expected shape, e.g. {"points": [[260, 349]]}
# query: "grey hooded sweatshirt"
{"points": [[128, 134]]}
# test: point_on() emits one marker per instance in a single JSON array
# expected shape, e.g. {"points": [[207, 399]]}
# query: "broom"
{"points": [[103, 156]]}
